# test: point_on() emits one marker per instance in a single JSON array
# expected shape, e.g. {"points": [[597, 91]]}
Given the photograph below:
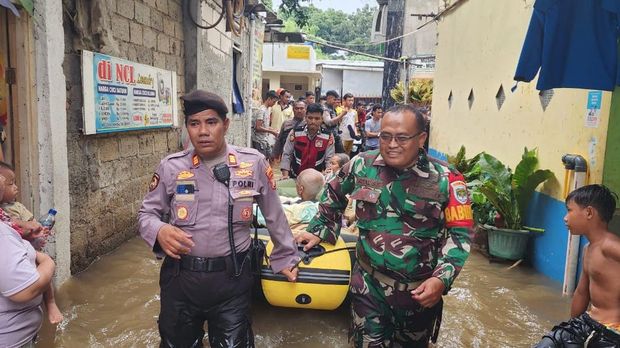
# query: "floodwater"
{"points": [[115, 303]]}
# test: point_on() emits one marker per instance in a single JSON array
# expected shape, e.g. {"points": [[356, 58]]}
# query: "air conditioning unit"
{"points": [[379, 23]]}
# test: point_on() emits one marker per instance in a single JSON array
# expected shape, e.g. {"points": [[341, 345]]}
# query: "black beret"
{"points": [[199, 100]]}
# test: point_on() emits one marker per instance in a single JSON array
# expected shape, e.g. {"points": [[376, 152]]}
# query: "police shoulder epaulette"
{"points": [[246, 150], [177, 154], [299, 127]]}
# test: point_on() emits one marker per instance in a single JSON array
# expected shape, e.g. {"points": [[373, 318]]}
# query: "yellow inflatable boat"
{"points": [[323, 279]]}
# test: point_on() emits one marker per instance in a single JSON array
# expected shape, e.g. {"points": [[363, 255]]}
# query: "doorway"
{"points": [[18, 134], [7, 82]]}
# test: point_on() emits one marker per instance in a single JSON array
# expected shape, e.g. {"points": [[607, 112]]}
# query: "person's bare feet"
{"points": [[53, 313]]}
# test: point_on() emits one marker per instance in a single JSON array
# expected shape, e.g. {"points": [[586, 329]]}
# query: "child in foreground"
{"points": [[18, 211], [595, 309]]}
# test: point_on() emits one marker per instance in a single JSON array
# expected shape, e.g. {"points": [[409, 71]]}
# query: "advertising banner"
{"points": [[120, 95]]}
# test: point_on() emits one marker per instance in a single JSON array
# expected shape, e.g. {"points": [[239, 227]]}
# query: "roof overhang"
{"points": [[294, 72], [356, 68]]}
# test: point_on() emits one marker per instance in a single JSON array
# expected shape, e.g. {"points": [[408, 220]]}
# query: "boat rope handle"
{"points": [[307, 256]]}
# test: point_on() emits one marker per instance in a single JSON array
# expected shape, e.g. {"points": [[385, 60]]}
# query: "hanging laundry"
{"points": [[10, 6], [574, 44]]}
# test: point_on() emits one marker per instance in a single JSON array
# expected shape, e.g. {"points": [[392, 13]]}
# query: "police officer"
{"points": [[299, 117], [198, 280], [308, 145], [332, 119], [414, 219]]}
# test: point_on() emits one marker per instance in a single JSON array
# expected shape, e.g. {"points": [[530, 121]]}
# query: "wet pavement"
{"points": [[115, 303]]}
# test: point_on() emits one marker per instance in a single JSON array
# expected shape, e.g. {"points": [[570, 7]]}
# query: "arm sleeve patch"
{"points": [[458, 211], [154, 182]]}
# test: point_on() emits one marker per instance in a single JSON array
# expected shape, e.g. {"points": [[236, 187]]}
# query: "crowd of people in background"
{"points": [[307, 131]]}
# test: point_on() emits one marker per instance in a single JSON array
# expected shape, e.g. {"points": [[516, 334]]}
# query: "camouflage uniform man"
{"points": [[414, 220]]}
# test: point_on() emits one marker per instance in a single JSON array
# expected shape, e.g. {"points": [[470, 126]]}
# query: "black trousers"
{"points": [[579, 332], [188, 299], [338, 147]]}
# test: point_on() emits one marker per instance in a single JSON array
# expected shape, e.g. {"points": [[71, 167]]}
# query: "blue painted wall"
{"points": [[548, 249]]}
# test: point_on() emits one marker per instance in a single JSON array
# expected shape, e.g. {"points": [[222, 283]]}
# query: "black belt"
{"points": [[209, 264]]}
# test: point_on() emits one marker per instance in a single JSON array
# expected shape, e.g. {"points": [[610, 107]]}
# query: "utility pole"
{"points": [[393, 49]]}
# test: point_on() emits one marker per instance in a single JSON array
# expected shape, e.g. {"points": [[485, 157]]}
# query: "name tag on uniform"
{"points": [[242, 184], [185, 190]]}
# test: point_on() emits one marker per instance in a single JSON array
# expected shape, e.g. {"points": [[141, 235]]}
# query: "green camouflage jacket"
{"points": [[413, 224]]}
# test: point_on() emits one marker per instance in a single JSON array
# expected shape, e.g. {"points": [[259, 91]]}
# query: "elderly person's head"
{"points": [[309, 184], [338, 161]]}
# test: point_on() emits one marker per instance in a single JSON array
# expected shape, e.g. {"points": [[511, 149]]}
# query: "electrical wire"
{"points": [[434, 19], [369, 44], [234, 12], [356, 52], [188, 11]]}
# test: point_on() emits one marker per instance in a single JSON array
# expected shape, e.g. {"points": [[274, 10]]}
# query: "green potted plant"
{"points": [[509, 194]]}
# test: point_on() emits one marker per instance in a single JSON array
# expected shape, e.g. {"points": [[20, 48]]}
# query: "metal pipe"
{"points": [[579, 166], [406, 89], [250, 85], [575, 162]]}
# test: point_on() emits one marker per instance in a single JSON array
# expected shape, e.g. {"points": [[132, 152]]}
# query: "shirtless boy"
{"points": [[595, 309]]}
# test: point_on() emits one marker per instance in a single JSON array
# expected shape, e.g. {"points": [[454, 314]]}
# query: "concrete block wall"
{"points": [[109, 174], [212, 60]]}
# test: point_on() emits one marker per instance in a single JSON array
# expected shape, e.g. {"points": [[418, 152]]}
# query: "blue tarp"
{"points": [[574, 44]]}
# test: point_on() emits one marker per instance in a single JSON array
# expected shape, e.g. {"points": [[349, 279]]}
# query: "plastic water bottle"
{"points": [[48, 220]]}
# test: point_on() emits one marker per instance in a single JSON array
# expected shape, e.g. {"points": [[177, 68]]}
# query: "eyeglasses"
{"points": [[400, 139]]}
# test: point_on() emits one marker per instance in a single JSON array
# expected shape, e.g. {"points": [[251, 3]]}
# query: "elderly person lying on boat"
{"points": [[301, 209]]}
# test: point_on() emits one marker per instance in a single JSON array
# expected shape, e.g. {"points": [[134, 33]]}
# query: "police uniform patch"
{"points": [[182, 212], [154, 182], [195, 160], [460, 191], [245, 165], [244, 173], [232, 159], [318, 143], [269, 174], [292, 138], [242, 184], [331, 139], [246, 214], [185, 175]]}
